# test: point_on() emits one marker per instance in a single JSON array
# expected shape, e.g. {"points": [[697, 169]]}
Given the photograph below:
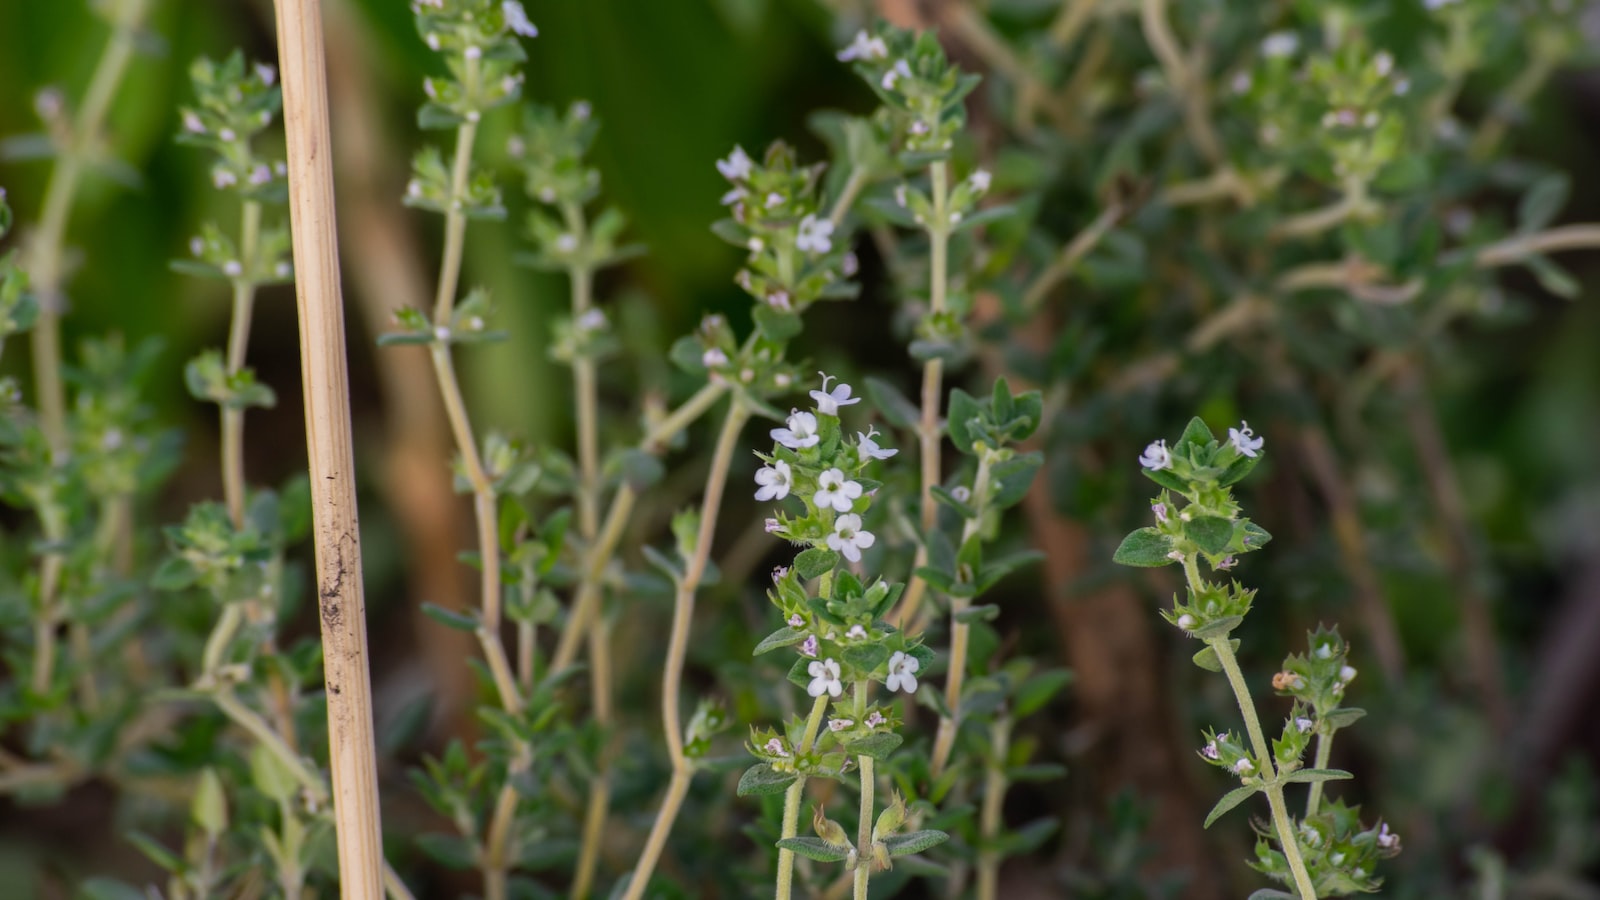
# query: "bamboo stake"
{"points": [[324, 375]]}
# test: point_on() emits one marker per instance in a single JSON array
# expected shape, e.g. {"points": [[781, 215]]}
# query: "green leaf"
{"points": [[984, 217], [1166, 479], [814, 563], [1238, 469], [174, 575], [965, 414], [1145, 547], [641, 470], [1543, 202], [209, 807], [1343, 717], [948, 499], [815, 848], [1009, 480], [988, 612], [775, 325], [1036, 772], [1312, 776], [866, 657], [1230, 800], [1270, 894], [1033, 694], [158, 854], [1254, 537], [761, 779], [1553, 278], [899, 411], [1207, 657], [915, 842], [783, 637], [877, 746], [1218, 628], [1211, 533], [448, 850], [450, 618], [1196, 433]]}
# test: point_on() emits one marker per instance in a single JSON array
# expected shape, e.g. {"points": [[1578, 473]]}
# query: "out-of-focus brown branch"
{"points": [[1477, 617], [386, 273]]}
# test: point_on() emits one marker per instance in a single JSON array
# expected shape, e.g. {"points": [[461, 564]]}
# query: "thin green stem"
{"points": [[990, 816], [244, 292], [46, 247], [847, 195], [1324, 754], [48, 618], [678, 647], [955, 676], [1264, 762], [864, 856], [929, 433], [455, 221], [791, 798], [262, 731]]}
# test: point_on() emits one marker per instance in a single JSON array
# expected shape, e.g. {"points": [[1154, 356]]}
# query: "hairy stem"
{"points": [[990, 817], [864, 857], [955, 676], [1324, 754], [45, 248], [791, 799], [678, 647]]}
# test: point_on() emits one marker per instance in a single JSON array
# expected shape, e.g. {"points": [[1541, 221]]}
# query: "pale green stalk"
{"points": [[49, 615], [928, 431], [847, 195], [244, 292], [791, 799], [864, 857], [1324, 754], [955, 675], [45, 248], [678, 646], [990, 817]]}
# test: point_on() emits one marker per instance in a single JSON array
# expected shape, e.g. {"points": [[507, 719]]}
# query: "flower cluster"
{"points": [[920, 87], [234, 103], [1341, 852], [550, 149], [479, 42]]}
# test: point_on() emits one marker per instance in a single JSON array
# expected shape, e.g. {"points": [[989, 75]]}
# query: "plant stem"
{"points": [[990, 818], [48, 618], [864, 857], [1324, 754], [955, 675], [847, 195], [678, 648], [1072, 254], [929, 432], [791, 798], [244, 291], [45, 248], [1264, 761], [258, 727]]}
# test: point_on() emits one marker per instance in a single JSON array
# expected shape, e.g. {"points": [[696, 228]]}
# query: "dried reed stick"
{"points": [[324, 375]]}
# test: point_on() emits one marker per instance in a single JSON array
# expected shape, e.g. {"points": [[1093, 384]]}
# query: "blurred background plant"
{"points": [[1358, 225]]}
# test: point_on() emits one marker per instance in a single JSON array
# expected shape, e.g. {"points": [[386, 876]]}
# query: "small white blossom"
{"points": [[432, 40], [441, 333], [896, 72], [900, 195], [737, 166], [772, 526], [1186, 622], [1303, 724], [517, 19], [1227, 563], [779, 300], [260, 175], [1325, 651], [1156, 456], [867, 448], [232, 269], [848, 538], [919, 127], [1347, 674], [815, 234], [192, 123], [283, 270], [755, 244], [774, 481], [828, 402], [775, 747], [1176, 555], [734, 195], [1244, 440], [713, 358], [864, 46], [875, 718], [802, 431], [592, 320], [567, 243], [849, 265], [1209, 751], [979, 180], [223, 178], [795, 621], [1387, 839], [1383, 63], [837, 725], [856, 633], [902, 673], [1241, 83], [473, 53], [414, 188], [266, 73], [835, 492], [824, 678], [1160, 509], [808, 647], [197, 246], [961, 492], [1280, 43], [774, 200], [1243, 767]]}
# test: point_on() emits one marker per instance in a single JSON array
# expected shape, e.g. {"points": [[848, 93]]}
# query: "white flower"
{"points": [[1325, 651], [795, 621], [260, 175], [592, 320], [814, 236], [1209, 751], [1156, 456], [828, 402], [848, 538], [1303, 724], [775, 747], [772, 526], [837, 725], [774, 200], [808, 647], [779, 300], [1280, 43], [774, 481], [979, 181], [1227, 563], [867, 448], [835, 491], [1186, 622], [1160, 509], [736, 166], [1347, 674], [734, 195], [898, 71], [900, 195], [902, 673], [441, 333], [517, 19], [567, 243], [232, 269], [432, 40], [802, 431], [473, 53], [1387, 839], [864, 47], [223, 178], [1244, 440], [1383, 63], [197, 246], [777, 575], [1243, 767], [283, 270], [856, 633], [961, 492], [713, 358], [824, 679], [192, 123], [266, 73], [849, 265], [875, 718]]}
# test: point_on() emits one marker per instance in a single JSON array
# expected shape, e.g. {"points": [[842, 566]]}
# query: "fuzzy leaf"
{"points": [[877, 746], [1217, 629], [915, 842], [895, 407], [450, 618], [1145, 547], [1197, 433], [1270, 894], [1009, 481], [1033, 694], [1312, 776], [988, 612], [1343, 717], [775, 325], [1229, 801], [963, 410], [815, 562], [1212, 533], [761, 779], [1207, 658], [815, 848], [783, 637]]}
